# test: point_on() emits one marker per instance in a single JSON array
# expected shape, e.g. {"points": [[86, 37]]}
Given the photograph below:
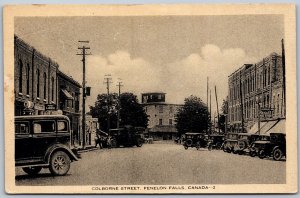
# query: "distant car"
{"points": [[230, 142], [43, 141], [275, 148], [215, 141], [197, 140], [101, 139], [126, 136]]}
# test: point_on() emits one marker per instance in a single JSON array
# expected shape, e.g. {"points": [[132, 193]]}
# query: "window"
{"points": [[160, 122], [170, 122], [38, 84], [62, 126], [171, 109], [45, 85], [20, 75], [46, 126], [27, 79], [159, 97], [161, 108], [53, 87], [72, 100], [21, 128]]}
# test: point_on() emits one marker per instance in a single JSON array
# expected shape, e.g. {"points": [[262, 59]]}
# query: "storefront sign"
{"points": [[50, 107]]}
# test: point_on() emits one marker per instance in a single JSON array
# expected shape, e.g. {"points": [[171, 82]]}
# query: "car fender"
{"points": [[60, 147]]}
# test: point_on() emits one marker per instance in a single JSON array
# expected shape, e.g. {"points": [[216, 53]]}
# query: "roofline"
{"points": [[59, 72]]}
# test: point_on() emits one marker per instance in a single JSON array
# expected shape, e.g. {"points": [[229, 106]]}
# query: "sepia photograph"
{"points": [[150, 99]]}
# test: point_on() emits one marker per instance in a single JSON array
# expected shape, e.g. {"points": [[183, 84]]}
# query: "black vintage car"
{"points": [[126, 136], [215, 141], [275, 148], [44, 142], [245, 141], [198, 140], [230, 142]]}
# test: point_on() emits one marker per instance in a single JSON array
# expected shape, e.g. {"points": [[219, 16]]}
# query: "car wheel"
{"points": [[139, 143], [261, 154], [32, 170], [186, 147], [252, 153], [60, 163], [240, 152], [218, 146], [210, 147], [277, 154], [113, 144]]}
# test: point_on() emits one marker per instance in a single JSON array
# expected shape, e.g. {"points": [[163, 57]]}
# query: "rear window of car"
{"points": [[21, 127], [44, 126]]}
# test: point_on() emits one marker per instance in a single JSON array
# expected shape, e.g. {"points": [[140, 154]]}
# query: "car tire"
{"points": [[139, 142], [59, 163], [277, 154], [186, 147], [241, 152], [218, 146], [113, 143], [32, 170], [252, 153], [189, 142], [261, 154], [210, 147]]}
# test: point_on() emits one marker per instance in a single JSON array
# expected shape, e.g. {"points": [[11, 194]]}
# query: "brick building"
{"points": [[161, 115], [69, 102], [35, 80], [256, 88]]}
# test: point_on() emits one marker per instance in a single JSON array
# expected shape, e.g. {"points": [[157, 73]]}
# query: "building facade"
{"points": [[69, 102], [35, 80], [256, 92], [161, 116]]}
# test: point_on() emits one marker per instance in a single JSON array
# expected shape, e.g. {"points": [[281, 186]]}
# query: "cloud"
{"points": [[189, 75], [178, 79]]}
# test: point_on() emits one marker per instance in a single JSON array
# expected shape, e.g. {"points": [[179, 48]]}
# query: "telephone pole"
{"points": [[119, 102], [83, 54], [217, 108], [108, 81]]}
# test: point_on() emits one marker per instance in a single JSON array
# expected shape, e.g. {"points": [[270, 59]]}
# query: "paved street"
{"points": [[162, 164]]}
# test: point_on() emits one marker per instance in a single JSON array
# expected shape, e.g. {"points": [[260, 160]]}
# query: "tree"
{"points": [[131, 113], [192, 116]]}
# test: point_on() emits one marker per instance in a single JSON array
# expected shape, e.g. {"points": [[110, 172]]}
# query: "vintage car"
{"points": [[275, 148], [198, 140], [243, 143], [126, 136], [101, 139], [215, 141], [257, 146], [44, 141], [230, 142]]}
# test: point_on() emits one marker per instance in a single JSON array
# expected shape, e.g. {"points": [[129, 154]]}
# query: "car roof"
{"points": [[41, 117]]}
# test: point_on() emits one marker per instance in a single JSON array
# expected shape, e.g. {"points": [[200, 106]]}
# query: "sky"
{"points": [[171, 54]]}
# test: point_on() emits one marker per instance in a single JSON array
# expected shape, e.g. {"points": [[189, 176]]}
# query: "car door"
{"points": [[44, 136], [23, 148]]}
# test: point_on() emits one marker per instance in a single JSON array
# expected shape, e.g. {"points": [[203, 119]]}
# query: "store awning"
{"points": [[279, 127], [267, 127], [67, 95], [254, 128]]}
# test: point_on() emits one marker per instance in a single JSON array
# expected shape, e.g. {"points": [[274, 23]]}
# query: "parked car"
{"points": [[243, 143], [275, 148], [126, 136], [101, 139], [215, 141], [257, 146], [198, 140], [230, 142], [43, 141]]}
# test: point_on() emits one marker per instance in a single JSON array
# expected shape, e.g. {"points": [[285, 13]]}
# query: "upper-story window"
{"points": [[20, 75], [161, 108], [27, 79], [160, 122], [45, 85], [38, 84]]}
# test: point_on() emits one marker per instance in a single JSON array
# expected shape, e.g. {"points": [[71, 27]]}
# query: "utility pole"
{"points": [[210, 108], [217, 108], [83, 54], [119, 102], [107, 79]]}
